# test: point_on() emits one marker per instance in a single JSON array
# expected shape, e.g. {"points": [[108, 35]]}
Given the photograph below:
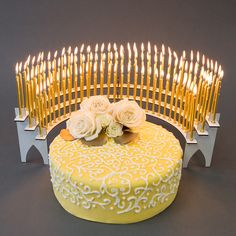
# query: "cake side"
{"points": [[117, 183]]}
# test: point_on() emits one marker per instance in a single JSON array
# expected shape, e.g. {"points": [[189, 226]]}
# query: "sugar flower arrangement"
{"points": [[99, 119]]}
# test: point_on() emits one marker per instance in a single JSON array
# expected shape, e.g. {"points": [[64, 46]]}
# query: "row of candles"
{"points": [[179, 89]]}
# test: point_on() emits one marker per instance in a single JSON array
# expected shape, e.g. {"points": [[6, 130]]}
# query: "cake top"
{"points": [[153, 156]]}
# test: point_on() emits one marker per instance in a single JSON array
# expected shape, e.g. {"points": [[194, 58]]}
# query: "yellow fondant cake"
{"points": [[117, 183]]}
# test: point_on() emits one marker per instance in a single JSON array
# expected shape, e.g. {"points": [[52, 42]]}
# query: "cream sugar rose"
{"points": [[97, 114]]}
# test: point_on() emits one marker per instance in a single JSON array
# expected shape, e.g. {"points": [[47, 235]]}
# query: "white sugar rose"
{"points": [[96, 104], [114, 130], [104, 119], [128, 113], [83, 125]]}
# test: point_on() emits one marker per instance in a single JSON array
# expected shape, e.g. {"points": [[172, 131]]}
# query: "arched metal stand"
{"points": [[29, 137]]}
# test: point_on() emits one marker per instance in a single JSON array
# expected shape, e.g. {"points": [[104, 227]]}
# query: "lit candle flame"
{"points": [[221, 74], [102, 47], [185, 78], [155, 49], [143, 70], [59, 62], [20, 67], [82, 48], [109, 47], [203, 60], [95, 67], [42, 56], [186, 66], [33, 61], [129, 67], [115, 47], [16, 68], [96, 48], [28, 60], [76, 50], [168, 76], [156, 72], [63, 51], [69, 50], [128, 47], [38, 59], [191, 55], [208, 63], [49, 56], [88, 49], [55, 54], [195, 90], [216, 67], [162, 73], [96, 56], [163, 49]]}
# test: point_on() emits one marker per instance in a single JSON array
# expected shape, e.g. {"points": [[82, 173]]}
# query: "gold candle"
{"points": [[216, 96], [32, 92], [81, 83], [135, 81], [155, 77], [39, 111], [172, 95], [193, 102], [64, 92], [49, 102], [18, 91], [186, 104], [45, 102], [95, 78], [114, 82], [199, 90], [148, 87], [69, 80], [58, 96], [128, 79], [29, 99], [182, 96], [21, 85], [141, 85], [101, 78], [121, 81], [177, 98], [76, 87], [209, 80], [166, 92], [211, 90], [160, 91], [202, 99], [26, 89]]}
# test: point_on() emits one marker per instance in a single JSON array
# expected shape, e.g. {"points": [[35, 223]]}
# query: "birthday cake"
{"points": [[117, 174]]}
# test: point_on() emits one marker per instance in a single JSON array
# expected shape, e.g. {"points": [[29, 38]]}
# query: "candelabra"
{"points": [[182, 90]]}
